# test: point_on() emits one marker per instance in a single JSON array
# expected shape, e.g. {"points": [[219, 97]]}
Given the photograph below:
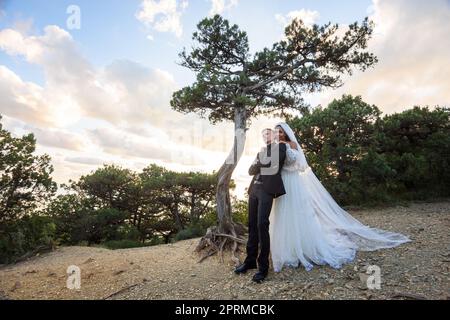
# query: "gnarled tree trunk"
{"points": [[226, 171], [227, 232]]}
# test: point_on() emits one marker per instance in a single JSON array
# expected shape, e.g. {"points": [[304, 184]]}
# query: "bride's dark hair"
{"points": [[285, 135]]}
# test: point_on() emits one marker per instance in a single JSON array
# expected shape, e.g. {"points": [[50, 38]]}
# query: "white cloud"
{"points": [[49, 137], [84, 115], [85, 160], [412, 44], [309, 17], [66, 71], [220, 6], [62, 139], [76, 96], [116, 114], [22, 99], [115, 141], [123, 92], [163, 15]]}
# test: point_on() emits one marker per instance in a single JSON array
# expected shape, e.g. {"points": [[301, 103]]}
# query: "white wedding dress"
{"points": [[307, 226]]}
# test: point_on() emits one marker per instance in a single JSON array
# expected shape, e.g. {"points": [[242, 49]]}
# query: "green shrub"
{"points": [[123, 244], [128, 232], [240, 212], [192, 231], [154, 241], [362, 158], [130, 243], [25, 235], [98, 226]]}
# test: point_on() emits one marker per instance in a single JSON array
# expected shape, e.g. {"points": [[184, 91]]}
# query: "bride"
{"points": [[307, 226]]}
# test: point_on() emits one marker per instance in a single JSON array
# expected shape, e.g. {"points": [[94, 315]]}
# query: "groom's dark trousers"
{"points": [[259, 207], [263, 189]]}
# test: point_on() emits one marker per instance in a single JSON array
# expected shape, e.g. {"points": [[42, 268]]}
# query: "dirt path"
{"points": [[420, 269]]}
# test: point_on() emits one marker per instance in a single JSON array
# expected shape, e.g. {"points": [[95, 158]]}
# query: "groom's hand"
{"points": [[255, 167]]}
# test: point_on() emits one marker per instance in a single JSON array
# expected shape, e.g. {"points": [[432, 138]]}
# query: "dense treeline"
{"points": [[112, 206], [363, 158], [360, 156], [25, 182]]}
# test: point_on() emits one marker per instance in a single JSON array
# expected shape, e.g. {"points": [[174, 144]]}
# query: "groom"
{"points": [[265, 186]]}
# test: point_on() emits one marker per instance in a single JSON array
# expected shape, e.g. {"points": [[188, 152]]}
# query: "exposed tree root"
{"points": [[222, 244], [211, 252], [215, 242], [238, 240]]}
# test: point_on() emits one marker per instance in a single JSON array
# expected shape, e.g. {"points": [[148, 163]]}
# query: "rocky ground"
{"points": [[417, 270]]}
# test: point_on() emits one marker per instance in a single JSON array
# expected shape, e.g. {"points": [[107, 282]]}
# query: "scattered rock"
{"points": [[419, 267], [362, 287], [408, 296], [349, 276], [30, 272], [16, 286], [118, 272], [307, 286], [89, 261], [3, 295], [363, 277]]}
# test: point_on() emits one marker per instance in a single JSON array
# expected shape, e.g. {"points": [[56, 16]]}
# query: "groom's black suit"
{"points": [[263, 189]]}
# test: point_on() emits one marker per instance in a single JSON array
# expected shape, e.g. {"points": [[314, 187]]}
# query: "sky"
{"points": [[93, 79]]}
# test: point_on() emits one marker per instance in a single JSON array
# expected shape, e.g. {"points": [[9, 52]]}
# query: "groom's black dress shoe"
{"points": [[244, 267], [259, 276]]}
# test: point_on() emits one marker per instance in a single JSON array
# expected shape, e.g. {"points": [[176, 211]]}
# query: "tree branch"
{"points": [[278, 76]]}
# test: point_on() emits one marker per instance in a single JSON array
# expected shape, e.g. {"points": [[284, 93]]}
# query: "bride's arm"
{"points": [[291, 153], [293, 145]]}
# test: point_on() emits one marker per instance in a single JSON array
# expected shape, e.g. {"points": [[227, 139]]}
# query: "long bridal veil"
{"points": [[309, 205]]}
